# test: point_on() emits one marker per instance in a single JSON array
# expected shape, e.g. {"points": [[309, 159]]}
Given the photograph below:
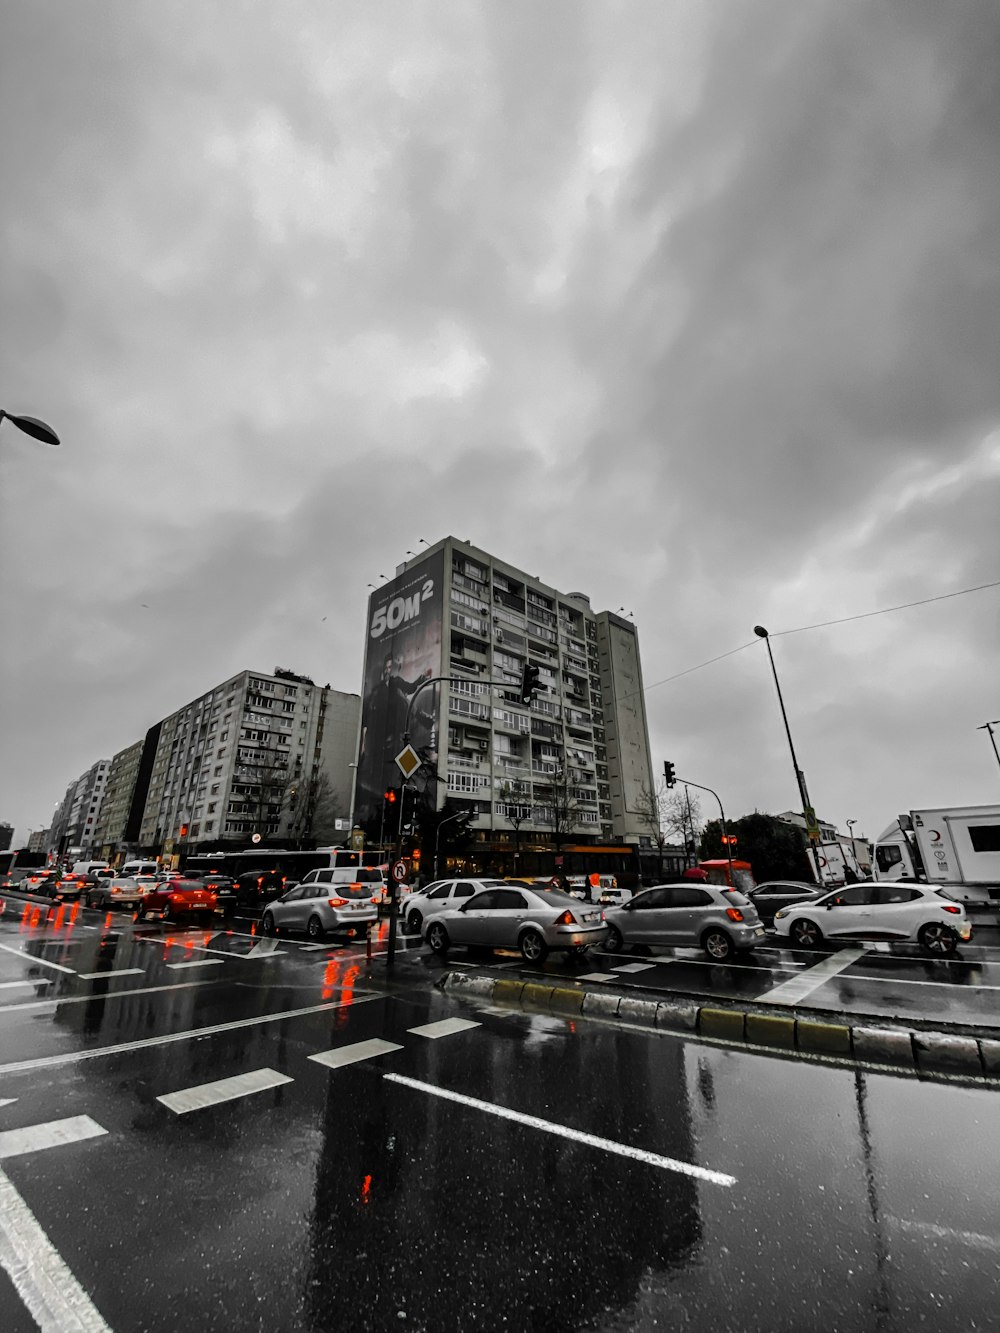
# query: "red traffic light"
{"points": [[390, 796]]}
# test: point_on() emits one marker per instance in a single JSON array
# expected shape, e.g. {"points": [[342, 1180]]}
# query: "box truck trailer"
{"points": [[957, 847]]}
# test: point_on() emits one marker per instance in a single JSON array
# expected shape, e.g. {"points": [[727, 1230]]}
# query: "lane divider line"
{"points": [[40, 1276], [89, 998], [190, 1034], [29, 981], [359, 1050], [33, 958], [565, 1132], [7, 1101], [222, 1090], [196, 962]]}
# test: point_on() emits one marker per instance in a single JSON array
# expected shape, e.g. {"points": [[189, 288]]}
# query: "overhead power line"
{"points": [[822, 624]]}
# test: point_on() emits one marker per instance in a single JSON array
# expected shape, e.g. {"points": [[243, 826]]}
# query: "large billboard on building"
{"points": [[404, 639]]}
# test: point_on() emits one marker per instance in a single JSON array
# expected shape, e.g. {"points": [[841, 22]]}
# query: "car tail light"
{"points": [[734, 914], [948, 907], [336, 902], [567, 919]]}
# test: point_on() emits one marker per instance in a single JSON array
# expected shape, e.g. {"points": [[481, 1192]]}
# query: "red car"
{"points": [[177, 897]]}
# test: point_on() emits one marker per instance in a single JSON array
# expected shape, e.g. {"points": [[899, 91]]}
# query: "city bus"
{"points": [[618, 859], [15, 865], [291, 865]]}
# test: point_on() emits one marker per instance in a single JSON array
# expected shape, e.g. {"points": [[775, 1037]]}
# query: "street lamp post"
{"points": [[988, 727], [800, 777], [437, 836], [38, 430]]}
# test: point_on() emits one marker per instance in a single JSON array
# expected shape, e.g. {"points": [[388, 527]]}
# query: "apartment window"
{"points": [[225, 735], [218, 771], [211, 807], [303, 725], [287, 706]]}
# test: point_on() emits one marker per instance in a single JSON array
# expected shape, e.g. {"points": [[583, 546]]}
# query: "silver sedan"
{"points": [[532, 920], [342, 909]]}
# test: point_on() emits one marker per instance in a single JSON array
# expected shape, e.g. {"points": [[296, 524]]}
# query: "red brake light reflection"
{"points": [[734, 914]]}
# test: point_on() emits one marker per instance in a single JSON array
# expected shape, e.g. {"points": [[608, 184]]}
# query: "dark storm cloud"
{"points": [[694, 308]]}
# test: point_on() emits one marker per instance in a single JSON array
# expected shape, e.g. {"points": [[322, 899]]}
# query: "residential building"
{"points": [[570, 766], [74, 824], [6, 836], [249, 757], [39, 840], [125, 796]]}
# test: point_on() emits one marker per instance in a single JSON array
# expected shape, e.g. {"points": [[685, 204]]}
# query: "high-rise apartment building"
{"points": [[75, 821], [573, 763], [253, 755]]}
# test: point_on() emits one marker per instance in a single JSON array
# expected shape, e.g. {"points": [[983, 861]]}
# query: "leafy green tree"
{"points": [[775, 850]]}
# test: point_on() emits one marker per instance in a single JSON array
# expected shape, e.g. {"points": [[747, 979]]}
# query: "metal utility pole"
{"points": [[988, 727], [800, 777]]}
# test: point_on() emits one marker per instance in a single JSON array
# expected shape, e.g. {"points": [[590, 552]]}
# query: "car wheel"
{"points": [[168, 916], [314, 928], [267, 924], [717, 945], [806, 933], [88, 900], [533, 947], [937, 938], [414, 921], [437, 938], [140, 912], [614, 942]]}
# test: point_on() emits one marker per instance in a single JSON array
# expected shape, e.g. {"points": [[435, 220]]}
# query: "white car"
{"points": [[906, 912], [443, 893]]}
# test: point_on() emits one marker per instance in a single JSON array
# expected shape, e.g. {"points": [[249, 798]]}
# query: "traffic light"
{"points": [[529, 682], [390, 796], [184, 831], [669, 775]]}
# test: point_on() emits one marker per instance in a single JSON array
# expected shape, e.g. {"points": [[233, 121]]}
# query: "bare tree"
{"points": [[670, 815], [311, 805], [651, 811], [558, 808], [512, 796], [258, 789]]}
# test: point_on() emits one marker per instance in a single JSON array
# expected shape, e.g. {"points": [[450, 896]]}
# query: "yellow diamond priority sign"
{"points": [[407, 761]]}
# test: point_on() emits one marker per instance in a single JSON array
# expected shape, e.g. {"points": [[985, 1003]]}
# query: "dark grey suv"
{"points": [[716, 919]]}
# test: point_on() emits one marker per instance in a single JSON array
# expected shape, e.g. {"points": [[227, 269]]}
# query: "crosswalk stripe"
{"points": [[222, 1090], [112, 972], [444, 1028], [51, 1134], [196, 962], [791, 992], [34, 958], [359, 1050]]}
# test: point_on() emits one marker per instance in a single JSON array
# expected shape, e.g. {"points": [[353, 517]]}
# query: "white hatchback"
{"points": [[900, 911]]}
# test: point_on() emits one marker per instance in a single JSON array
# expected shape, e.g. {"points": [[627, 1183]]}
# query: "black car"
{"points": [[255, 888], [778, 893]]}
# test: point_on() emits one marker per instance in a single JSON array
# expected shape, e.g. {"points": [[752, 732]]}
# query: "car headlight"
{"points": [[783, 911]]}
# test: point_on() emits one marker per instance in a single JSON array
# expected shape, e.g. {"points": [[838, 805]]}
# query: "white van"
{"points": [[132, 869], [93, 869]]}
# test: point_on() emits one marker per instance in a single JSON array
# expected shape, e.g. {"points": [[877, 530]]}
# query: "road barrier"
{"points": [[820, 1034]]}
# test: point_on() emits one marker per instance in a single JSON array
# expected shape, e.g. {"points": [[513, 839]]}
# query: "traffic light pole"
{"points": [[722, 816]]}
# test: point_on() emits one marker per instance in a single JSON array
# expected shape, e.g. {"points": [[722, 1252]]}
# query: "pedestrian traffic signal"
{"points": [[669, 775], [529, 682]]}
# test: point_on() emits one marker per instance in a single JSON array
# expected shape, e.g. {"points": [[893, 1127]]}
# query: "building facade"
{"points": [[6, 836], [74, 824], [569, 766], [251, 756]]}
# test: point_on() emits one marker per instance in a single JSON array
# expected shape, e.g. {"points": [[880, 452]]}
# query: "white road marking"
{"points": [[975, 1240], [222, 1090], [350, 1055], [42, 962], [196, 962], [29, 981], [92, 1053], [113, 972], [7, 1101], [51, 1134], [89, 998], [496, 1011], [791, 992], [204, 948], [311, 948], [595, 976], [265, 948], [38, 1272], [633, 967], [444, 1028], [565, 1132]]}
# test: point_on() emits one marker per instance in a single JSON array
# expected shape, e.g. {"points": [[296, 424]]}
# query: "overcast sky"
{"points": [[693, 307]]}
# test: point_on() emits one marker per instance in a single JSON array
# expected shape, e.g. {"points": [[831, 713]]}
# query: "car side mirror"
{"points": [[830, 906]]}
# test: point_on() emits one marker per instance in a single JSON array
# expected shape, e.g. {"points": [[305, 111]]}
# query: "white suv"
{"points": [[902, 911], [417, 907]]}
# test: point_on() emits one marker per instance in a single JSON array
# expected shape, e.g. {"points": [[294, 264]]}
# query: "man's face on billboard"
{"points": [[387, 670]]}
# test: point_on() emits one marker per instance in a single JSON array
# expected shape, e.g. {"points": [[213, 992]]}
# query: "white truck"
{"points": [[957, 846]]}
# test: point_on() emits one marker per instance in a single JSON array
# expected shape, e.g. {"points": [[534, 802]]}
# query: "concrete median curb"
{"points": [[839, 1036]]}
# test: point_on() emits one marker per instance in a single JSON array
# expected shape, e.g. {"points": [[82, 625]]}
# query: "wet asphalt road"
{"points": [[358, 1196]]}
